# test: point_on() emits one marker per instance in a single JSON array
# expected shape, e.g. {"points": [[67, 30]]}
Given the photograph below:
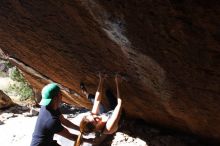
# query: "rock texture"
{"points": [[169, 51], [5, 101]]}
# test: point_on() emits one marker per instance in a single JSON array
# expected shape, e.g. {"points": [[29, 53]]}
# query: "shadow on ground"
{"points": [[138, 133]]}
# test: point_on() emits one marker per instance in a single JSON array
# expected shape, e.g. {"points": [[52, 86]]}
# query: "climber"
{"points": [[104, 123], [112, 100], [50, 120]]}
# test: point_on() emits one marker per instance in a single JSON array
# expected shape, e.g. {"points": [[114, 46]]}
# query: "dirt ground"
{"points": [[17, 131], [17, 126]]}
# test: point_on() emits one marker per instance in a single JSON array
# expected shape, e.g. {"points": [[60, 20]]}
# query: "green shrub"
{"points": [[21, 88], [8, 64], [16, 75]]}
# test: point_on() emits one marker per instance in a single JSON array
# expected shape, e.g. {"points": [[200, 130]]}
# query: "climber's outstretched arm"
{"points": [[112, 123], [98, 95]]}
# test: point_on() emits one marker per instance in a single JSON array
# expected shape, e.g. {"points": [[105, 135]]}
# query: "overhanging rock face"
{"points": [[168, 50]]}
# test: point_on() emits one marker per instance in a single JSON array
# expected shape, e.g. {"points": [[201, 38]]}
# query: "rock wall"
{"points": [[5, 101], [168, 50]]}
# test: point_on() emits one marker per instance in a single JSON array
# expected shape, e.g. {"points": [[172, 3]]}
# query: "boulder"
{"points": [[5, 100], [167, 50]]}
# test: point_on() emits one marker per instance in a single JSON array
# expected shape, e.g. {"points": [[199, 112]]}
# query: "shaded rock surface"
{"points": [[5, 101], [138, 133], [169, 51]]}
